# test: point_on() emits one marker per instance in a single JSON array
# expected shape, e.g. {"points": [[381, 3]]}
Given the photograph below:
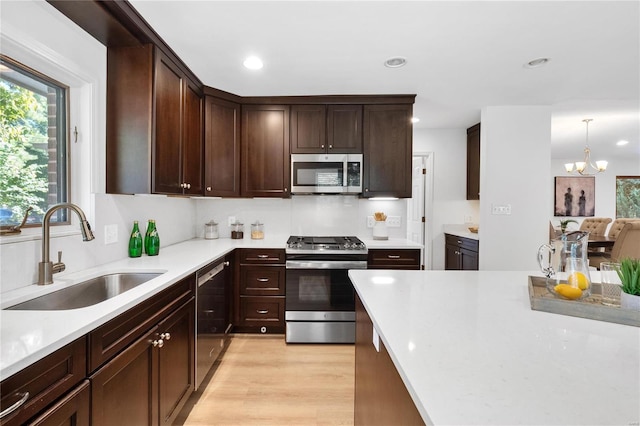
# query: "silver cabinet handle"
{"points": [[393, 256], [158, 343], [322, 146], [263, 256], [459, 242], [165, 336], [188, 186], [263, 280], [330, 146], [209, 188], [226, 263], [14, 407], [262, 311]]}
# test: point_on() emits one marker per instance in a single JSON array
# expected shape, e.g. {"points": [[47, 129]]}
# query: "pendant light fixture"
{"points": [[582, 167]]}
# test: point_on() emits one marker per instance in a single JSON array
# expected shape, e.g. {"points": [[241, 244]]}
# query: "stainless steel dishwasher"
{"points": [[212, 316]]}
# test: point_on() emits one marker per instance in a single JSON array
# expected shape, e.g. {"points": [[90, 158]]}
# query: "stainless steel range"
{"points": [[320, 302]]}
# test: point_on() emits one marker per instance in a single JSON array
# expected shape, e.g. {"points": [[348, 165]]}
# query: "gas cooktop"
{"points": [[297, 244]]}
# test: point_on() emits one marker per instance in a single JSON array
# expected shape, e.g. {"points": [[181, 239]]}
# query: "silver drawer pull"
{"points": [[262, 311], [263, 280], [393, 256], [157, 343], [165, 336], [263, 256], [15, 406], [459, 242]]}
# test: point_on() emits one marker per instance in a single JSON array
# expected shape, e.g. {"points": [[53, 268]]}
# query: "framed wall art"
{"points": [[575, 196], [627, 196]]}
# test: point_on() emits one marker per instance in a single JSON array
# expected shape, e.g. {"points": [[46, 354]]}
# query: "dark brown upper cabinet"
{"points": [[473, 162], [319, 129], [154, 124], [387, 151], [221, 148], [265, 151]]}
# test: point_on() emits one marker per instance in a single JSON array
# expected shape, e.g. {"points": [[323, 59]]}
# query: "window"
{"points": [[33, 144]]}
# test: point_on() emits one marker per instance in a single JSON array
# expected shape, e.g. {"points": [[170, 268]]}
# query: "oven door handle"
{"points": [[326, 264]]}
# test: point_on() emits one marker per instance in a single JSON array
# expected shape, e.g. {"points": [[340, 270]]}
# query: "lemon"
{"points": [[578, 279], [568, 291]]}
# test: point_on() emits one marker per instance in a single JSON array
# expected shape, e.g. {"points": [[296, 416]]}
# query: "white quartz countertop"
{"points": [[461, 231], [27, 336], [471, 351], [391, 243]]}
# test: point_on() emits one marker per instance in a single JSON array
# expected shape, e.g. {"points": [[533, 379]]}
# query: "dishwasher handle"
{"points": [[203, 278]]}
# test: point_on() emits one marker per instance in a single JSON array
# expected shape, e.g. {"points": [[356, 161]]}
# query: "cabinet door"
{"points": [[222, 148], [387, 151], [176, 370], [72, 409], [473, 162], [452, 258], [308, 129], [468, 260], [344, 129], [168, 127], [265, 151], [192, 152], [125, 390]]}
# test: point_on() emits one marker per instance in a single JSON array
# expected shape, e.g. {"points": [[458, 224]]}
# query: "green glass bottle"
{"points": [[135, 241], [152, 239]]}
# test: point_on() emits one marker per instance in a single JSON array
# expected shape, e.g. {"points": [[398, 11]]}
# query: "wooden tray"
{"points": [[590, 307]]}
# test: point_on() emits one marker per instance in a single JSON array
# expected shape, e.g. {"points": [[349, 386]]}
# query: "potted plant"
{"points": [[629, 274], [565, 223]]}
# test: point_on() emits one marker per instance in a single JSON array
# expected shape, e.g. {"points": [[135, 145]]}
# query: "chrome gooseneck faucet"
{"points": [[46, 268]]}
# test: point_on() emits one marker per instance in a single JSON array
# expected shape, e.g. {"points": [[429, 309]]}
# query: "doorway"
{"points": [[420, 205]]}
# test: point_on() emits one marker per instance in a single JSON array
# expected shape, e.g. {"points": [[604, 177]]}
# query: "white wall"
{"points": [[450, 206], [37, 35], [515, 158]]}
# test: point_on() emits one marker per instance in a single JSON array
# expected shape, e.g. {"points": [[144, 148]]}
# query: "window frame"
{"points": [[63, 172]]}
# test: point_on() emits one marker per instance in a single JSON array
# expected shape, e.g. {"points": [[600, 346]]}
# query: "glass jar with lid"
{"points": [[237, 231], [211, 230], [257, 231]]}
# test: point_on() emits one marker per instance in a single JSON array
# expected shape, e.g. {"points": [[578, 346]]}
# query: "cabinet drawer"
{"points": [[398, 258], [262, 281], [262, 256], [45, 381], [466, 243], [72, 409], [112, 337], [262, 310]]}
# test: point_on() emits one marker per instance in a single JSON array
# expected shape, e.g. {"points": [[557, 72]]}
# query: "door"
{"points": [[222, 148], [308, 129], [192, 164], [344, 129], [420, 205]]}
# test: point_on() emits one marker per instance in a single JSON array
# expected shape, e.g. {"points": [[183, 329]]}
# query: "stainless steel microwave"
{"points": [[326, 173]]}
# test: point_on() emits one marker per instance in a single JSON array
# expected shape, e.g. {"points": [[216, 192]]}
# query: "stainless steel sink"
{"points": [[86, 293]]}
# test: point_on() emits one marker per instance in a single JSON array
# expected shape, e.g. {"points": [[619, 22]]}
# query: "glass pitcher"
{"points": [[565, 263]]}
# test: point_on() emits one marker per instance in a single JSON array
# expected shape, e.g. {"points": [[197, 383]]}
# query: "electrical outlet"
{"points": [[394, 221], [231, 220], [502, 209], [110, 234], [370, 221]]}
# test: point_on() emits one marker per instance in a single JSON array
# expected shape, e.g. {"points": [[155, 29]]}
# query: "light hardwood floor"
{"points": [[261, 380]]}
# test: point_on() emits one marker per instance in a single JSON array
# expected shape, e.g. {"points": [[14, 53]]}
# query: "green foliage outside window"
{"points": [[23, 152]]}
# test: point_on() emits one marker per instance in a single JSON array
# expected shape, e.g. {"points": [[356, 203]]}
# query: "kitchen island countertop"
{"points": [[471, 351]]}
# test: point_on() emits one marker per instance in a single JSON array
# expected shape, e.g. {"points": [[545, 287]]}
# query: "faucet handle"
{"points": [[58, 266]]}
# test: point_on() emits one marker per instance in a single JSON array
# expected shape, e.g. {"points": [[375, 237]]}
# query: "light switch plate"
{"points": [[370, 221], [501, 209], [231, 220], [394, 221], [110, 234]]}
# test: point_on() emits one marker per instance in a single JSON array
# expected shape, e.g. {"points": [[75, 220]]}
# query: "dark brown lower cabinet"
{"points": [[149, 382], [72, 409], [381, 398], [460, 253]]}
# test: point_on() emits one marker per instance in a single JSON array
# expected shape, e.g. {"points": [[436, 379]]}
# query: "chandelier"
{"points": [[582, 167]]}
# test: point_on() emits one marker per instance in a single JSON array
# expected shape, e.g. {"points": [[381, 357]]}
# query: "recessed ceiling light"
{"points": [[535, 63], [253, 63], [414, 119], [395, 62], [622, 142]]}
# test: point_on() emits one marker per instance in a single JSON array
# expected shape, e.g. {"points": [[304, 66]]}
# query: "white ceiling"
{"points": [[461, 56]]}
